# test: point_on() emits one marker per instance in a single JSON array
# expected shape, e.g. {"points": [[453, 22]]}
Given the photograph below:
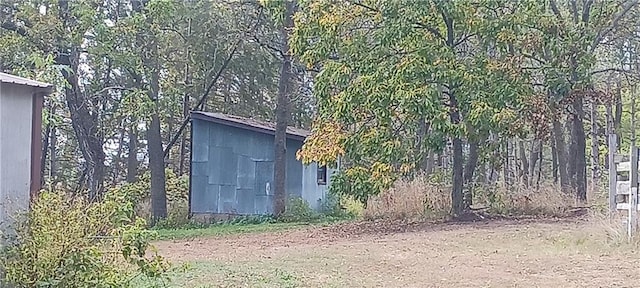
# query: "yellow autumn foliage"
{"points": [[324, 146]]}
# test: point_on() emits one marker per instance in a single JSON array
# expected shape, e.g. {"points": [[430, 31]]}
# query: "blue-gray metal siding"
{"points": [[232, 170]]}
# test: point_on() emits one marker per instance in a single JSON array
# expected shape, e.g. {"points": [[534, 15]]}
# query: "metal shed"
{"points": [[232, 168], [21, 102]]}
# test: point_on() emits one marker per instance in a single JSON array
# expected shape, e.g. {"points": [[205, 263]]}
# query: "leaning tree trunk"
{"points": [[85, 126], [282, 116]]}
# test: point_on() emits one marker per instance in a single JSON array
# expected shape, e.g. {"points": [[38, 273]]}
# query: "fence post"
{"points": [[632, 223], [613, 174]]}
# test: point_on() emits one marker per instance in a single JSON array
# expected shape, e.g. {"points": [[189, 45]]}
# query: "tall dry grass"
{"points": [[518, 199], [611, 229], [423, 198], [418, 198]]}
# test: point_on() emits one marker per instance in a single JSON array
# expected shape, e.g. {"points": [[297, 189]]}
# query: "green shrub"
{"points": [[67, 242], [177, 188], [341, 207], [332, 208], [360, 182], [177, 216], [352, 207], [298, 210]]}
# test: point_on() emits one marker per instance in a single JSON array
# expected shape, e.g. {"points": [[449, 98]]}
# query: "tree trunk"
{"points": [[561, 155], [117, 162], [156, 155], [185, 105], [595, 148], [428, 167], [554, 163], [419, 149], [524, 170], [45, 146], [609, 131], [457, 200], [533, 159], [53, 160], [469, 170], [82, 108], [539, 167], [617, 120], [578, 142], [505, 167], [85, 125], [282, 116], [132, 157], [457, 193]]}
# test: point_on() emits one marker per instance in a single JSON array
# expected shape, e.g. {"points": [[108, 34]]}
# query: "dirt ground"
{"points": [[558, 253]]}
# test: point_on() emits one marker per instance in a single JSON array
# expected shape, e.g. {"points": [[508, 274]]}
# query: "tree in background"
{"points": [[479, 91]]}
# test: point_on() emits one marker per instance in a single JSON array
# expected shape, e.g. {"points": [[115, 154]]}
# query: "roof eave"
{"points": [[200, 116]]}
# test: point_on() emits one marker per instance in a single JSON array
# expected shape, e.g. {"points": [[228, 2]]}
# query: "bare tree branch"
{"points": [[586, 11], [614, 24], [574, 11], [610, 70], [209, 87], [554, 8]]}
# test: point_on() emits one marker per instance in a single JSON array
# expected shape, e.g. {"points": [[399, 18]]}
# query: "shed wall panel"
{"points": [[240, 163], [246, 177], [313, 192], [15, 150], [294, 169]]}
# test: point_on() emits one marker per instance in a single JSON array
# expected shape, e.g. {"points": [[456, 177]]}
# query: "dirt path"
{"points": [[495, 254]]}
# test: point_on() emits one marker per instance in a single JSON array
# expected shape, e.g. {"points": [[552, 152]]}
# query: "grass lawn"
{"points": [[493, 254], [223, 229]]}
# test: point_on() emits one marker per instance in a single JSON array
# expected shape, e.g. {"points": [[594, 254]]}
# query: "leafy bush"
{"points": [[341, 207], [177, 215], [67, 242], [360, 183], [352, 207], [177, 189], [298, 210], [332, 208]]}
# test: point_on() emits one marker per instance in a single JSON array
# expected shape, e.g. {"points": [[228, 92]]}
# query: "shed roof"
{"points": [[8, 78], [249, 124]]}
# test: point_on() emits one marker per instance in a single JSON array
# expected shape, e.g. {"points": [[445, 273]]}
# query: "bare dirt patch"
{"points": [[396, 254]]}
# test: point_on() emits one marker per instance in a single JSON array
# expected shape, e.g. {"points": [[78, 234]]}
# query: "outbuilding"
{"points": [[232, 166], [21, 102]]}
